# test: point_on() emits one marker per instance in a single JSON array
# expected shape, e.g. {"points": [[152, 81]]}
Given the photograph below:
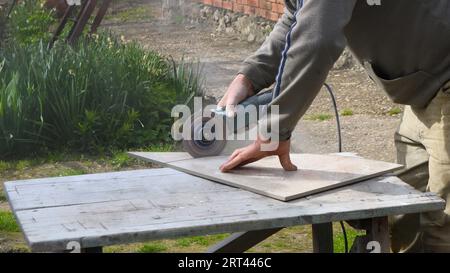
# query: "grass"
{"points": [[121, 160], [347, 112], [22, 165], [71, 172], [394, 111], [4, 166], [152, 248], [319, 117], [200, 240], [339, 242], [3, 196], [8, 222], [139, 13]]}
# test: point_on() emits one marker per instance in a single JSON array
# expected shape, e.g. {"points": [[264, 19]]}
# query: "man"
{"points": [[405, 47]]}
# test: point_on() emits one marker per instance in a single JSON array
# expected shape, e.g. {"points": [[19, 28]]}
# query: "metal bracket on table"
{"points": [[242, 241]]}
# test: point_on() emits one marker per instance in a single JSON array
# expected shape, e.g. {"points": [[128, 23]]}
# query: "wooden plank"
{"points": [[92, 190], [317, 173], [89, 232], [145, 205]]}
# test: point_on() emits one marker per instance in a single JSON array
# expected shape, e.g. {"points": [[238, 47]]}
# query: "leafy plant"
{"points": [[96, 96], [30, 22]]}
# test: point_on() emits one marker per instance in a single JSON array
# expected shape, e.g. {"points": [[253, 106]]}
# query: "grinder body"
{"points": [[201, 147]]}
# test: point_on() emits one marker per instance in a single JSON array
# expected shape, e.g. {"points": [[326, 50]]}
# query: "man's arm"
{"points": [[317, 42], [261, 68]]}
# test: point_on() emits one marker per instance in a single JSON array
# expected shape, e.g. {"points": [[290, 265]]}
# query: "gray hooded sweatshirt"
{"points": [[403, 44]]}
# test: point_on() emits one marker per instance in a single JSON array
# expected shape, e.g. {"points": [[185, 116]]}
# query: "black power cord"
{"points": [[338, 126]]}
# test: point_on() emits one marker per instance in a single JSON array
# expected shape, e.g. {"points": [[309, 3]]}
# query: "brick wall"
{"points": [[269, 9]]}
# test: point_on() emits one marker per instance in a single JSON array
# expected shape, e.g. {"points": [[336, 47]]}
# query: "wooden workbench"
{"points": [[96, 210]]}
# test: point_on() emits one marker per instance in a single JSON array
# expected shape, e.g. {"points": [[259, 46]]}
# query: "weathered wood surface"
{"points": [[132, 206], [317, 173]]}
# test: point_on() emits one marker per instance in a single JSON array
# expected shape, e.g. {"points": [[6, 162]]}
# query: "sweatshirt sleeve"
{"points": [[261, 68], [317, 41]]}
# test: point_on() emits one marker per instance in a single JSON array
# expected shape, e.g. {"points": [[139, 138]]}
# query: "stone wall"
{"points": [[245, 27], [269, 9], [253, 29]]}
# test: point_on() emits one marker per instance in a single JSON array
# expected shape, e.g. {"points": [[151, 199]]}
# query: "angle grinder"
{"points": [[202, 145]]}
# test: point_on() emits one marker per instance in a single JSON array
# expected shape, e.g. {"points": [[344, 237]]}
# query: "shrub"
{"points": [[2, 25], [30, 22], [98, 95]]}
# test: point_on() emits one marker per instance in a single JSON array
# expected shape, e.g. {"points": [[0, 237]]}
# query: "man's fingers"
{"points": [[230, 110], [223, 101], [231, 164], [234, 154], [233, 99], [246, 162], [286, 162]]}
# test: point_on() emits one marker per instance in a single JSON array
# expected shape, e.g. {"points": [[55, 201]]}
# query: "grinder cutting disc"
{"points": [[199, 145]]}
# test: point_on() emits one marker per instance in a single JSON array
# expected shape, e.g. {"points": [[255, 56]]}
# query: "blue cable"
{"points": [[285, 51]]}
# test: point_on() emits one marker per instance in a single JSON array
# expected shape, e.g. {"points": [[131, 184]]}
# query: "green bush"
{"points": [[30, 23], [95, 96], [2, 26]]}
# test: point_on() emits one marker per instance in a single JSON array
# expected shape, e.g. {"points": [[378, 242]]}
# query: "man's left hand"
{"points": [[254, 152]]}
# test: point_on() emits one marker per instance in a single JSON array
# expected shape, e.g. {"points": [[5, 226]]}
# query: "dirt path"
{"points": [[368, 130]]}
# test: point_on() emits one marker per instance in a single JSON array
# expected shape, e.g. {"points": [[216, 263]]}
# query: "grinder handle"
{"points": [[259, 99]]}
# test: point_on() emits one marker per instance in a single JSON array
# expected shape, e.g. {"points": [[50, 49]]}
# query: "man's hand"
{"points": [[253, 153], [239, 89]]}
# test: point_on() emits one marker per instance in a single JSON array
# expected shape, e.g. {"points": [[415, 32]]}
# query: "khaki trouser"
{"points": [[423, 146]]}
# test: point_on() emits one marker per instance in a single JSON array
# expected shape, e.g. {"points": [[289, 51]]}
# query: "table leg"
{"points": [[376, 239], [242, 241], [322, 238]]}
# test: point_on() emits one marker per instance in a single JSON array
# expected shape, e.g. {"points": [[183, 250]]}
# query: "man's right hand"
{"points": [[239, 89]]}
